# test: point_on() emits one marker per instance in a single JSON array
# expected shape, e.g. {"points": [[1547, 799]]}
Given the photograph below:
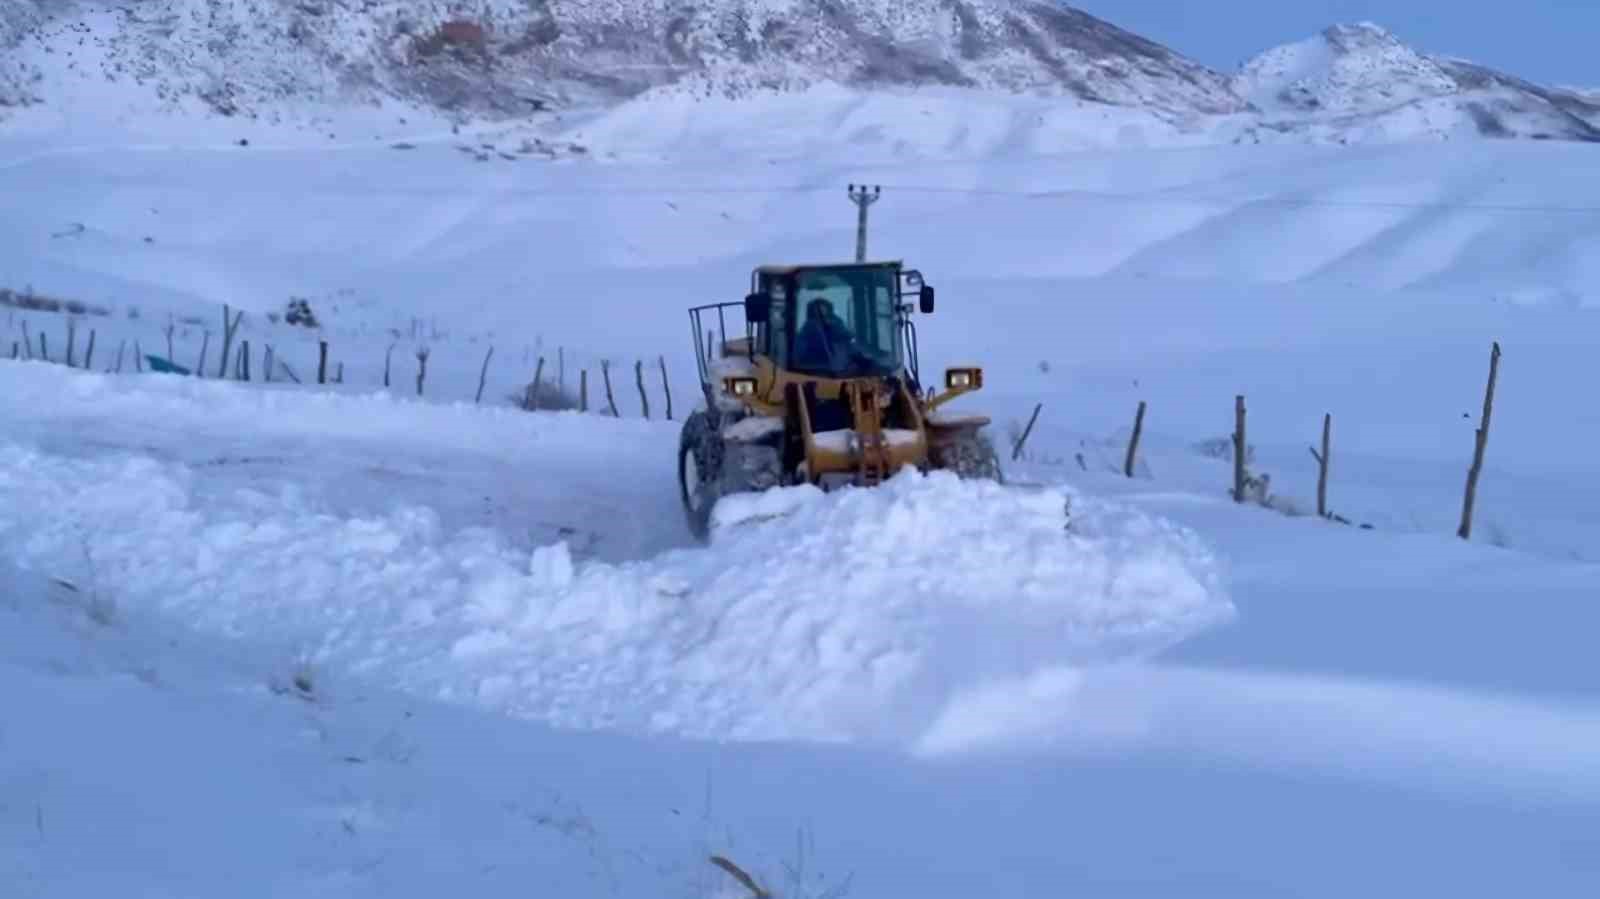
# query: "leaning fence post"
{"points": [[1133, 443], [1016, 451], [1481, 442], [611, 400], [483, 374]]}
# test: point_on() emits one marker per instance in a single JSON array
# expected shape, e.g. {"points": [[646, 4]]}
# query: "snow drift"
{"points": [[850, 616]]}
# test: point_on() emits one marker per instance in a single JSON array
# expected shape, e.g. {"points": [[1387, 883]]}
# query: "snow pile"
{"points": [[842, 617]]}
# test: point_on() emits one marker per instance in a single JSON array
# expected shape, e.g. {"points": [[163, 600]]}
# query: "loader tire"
{"points": [[710, 468], [972, 457], [699, 459]]}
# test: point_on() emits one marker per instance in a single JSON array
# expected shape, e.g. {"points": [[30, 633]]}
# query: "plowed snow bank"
{"points": [[851, 616]]}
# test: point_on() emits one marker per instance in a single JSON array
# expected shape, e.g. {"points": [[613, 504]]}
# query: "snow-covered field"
{"points": [[518, 670]]}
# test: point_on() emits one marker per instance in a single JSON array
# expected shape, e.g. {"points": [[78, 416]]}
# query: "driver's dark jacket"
{"points": [[820, 341]]}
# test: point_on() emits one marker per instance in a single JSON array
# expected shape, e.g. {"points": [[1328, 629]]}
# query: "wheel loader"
{"points": [[818, 383]]}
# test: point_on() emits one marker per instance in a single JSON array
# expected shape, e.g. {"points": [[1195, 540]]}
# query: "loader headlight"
{"points": [[963, 378], [740, 387]]}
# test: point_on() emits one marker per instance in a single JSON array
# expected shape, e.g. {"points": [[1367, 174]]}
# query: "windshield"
{"points": [[846, 323]]}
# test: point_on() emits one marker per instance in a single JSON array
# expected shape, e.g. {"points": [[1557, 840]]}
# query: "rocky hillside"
{"points": [[507, 56], [497, 59], [18, 79]]}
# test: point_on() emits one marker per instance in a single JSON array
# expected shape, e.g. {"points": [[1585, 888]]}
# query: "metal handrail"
{"points": [[696, 313]]}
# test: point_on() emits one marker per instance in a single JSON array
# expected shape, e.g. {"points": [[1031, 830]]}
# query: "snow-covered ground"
{"points": [[522, 671]]}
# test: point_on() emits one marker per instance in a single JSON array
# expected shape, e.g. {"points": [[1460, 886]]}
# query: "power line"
{"points": [[1169, 199], [1070, 194]]}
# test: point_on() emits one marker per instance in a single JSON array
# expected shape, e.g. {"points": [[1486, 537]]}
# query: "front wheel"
{"points": [[694, 485], [710, 468]]}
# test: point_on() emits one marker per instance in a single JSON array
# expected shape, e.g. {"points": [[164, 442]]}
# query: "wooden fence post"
{"points": [[1016, 451], [27, 342], [387, 353], [1238, 449], [1481, 442], [205, 346], [72, 342], [611, 400], [322, 362], [1322, 465], [583, 390], [666, 385], [230, 327], [532, 400], [138, 358], [483, 374], [638, 377], [422, 367], [1133, 444], [88, 353]]}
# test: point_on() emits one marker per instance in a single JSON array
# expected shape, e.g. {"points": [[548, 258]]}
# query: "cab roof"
{"points": [[791, 269]]}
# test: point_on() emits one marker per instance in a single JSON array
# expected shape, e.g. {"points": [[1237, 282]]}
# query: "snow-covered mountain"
{"points": [[1352, 78], [511, 59], [507, 56]]}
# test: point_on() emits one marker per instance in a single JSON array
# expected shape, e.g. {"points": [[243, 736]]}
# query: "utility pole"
{"points": [[863, 199]]}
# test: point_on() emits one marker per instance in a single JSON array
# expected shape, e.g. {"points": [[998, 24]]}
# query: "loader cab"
{"points": [[837, 321]]}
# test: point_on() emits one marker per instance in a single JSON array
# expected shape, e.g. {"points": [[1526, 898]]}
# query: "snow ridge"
{"points": [[950, 584]]}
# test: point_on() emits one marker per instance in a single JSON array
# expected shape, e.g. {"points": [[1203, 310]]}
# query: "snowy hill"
{"points": [[1361, 77]]}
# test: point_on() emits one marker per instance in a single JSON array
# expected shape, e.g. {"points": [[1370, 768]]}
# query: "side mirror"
{"points": [[927, 299], [757, 307]]}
